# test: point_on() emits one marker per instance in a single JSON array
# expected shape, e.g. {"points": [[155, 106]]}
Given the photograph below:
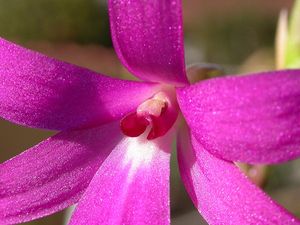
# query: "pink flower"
{"points": [[117, 179]]}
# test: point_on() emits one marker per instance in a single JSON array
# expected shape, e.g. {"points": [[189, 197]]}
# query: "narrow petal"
{"points": [[148, 38], [222, 194], [131, 186], [53, 174], [42, 92], [254, 119]]}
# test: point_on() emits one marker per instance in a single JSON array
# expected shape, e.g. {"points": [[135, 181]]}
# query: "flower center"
{"points": [[159, 112]]}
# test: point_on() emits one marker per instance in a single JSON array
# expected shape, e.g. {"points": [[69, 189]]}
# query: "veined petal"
{"points": [[222, 194], [131, 186], [148, 38], [53, 174], [254, 119], [42, 92]]}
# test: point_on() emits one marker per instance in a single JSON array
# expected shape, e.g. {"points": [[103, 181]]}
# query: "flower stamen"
{"points": [[160, 112]]}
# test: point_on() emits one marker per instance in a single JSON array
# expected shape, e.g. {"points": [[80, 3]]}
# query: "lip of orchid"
{"points": [[159, 112]]}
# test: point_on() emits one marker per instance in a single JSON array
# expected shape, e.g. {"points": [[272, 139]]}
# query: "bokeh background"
{"points": [[238, 35]]}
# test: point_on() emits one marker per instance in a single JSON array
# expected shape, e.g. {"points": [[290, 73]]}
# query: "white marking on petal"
{"points": [[140, 152]]}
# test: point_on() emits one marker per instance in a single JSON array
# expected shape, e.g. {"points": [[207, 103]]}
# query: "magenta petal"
{"points": [[131, 186], [42, 92], [254, 119], [53, 175], [148, 38], [222, 194]]}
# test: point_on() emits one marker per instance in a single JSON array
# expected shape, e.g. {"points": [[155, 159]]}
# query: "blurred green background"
{"points": [[55, 20], [239, 35]]}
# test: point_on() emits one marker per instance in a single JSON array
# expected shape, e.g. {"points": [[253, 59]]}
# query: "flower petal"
{"points": [[53, 174], [148, 38], [42, 92], [254, 119], [222, 194], [131, 186]]}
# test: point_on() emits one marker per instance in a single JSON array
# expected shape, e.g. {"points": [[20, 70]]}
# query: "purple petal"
{"points": [[131, 186], [254, 119], [148, 38], [222, 194], [54, 174], [42, 92]]}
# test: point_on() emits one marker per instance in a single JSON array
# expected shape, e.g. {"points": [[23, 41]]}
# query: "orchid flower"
{"points": [[112, 153]]}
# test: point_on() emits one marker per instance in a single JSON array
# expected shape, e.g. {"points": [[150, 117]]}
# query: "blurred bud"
{"points": [[288, 49], [281, 39], [202, 71]]}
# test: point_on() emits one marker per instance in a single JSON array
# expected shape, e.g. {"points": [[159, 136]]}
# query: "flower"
{"points": [[112, 155]]}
